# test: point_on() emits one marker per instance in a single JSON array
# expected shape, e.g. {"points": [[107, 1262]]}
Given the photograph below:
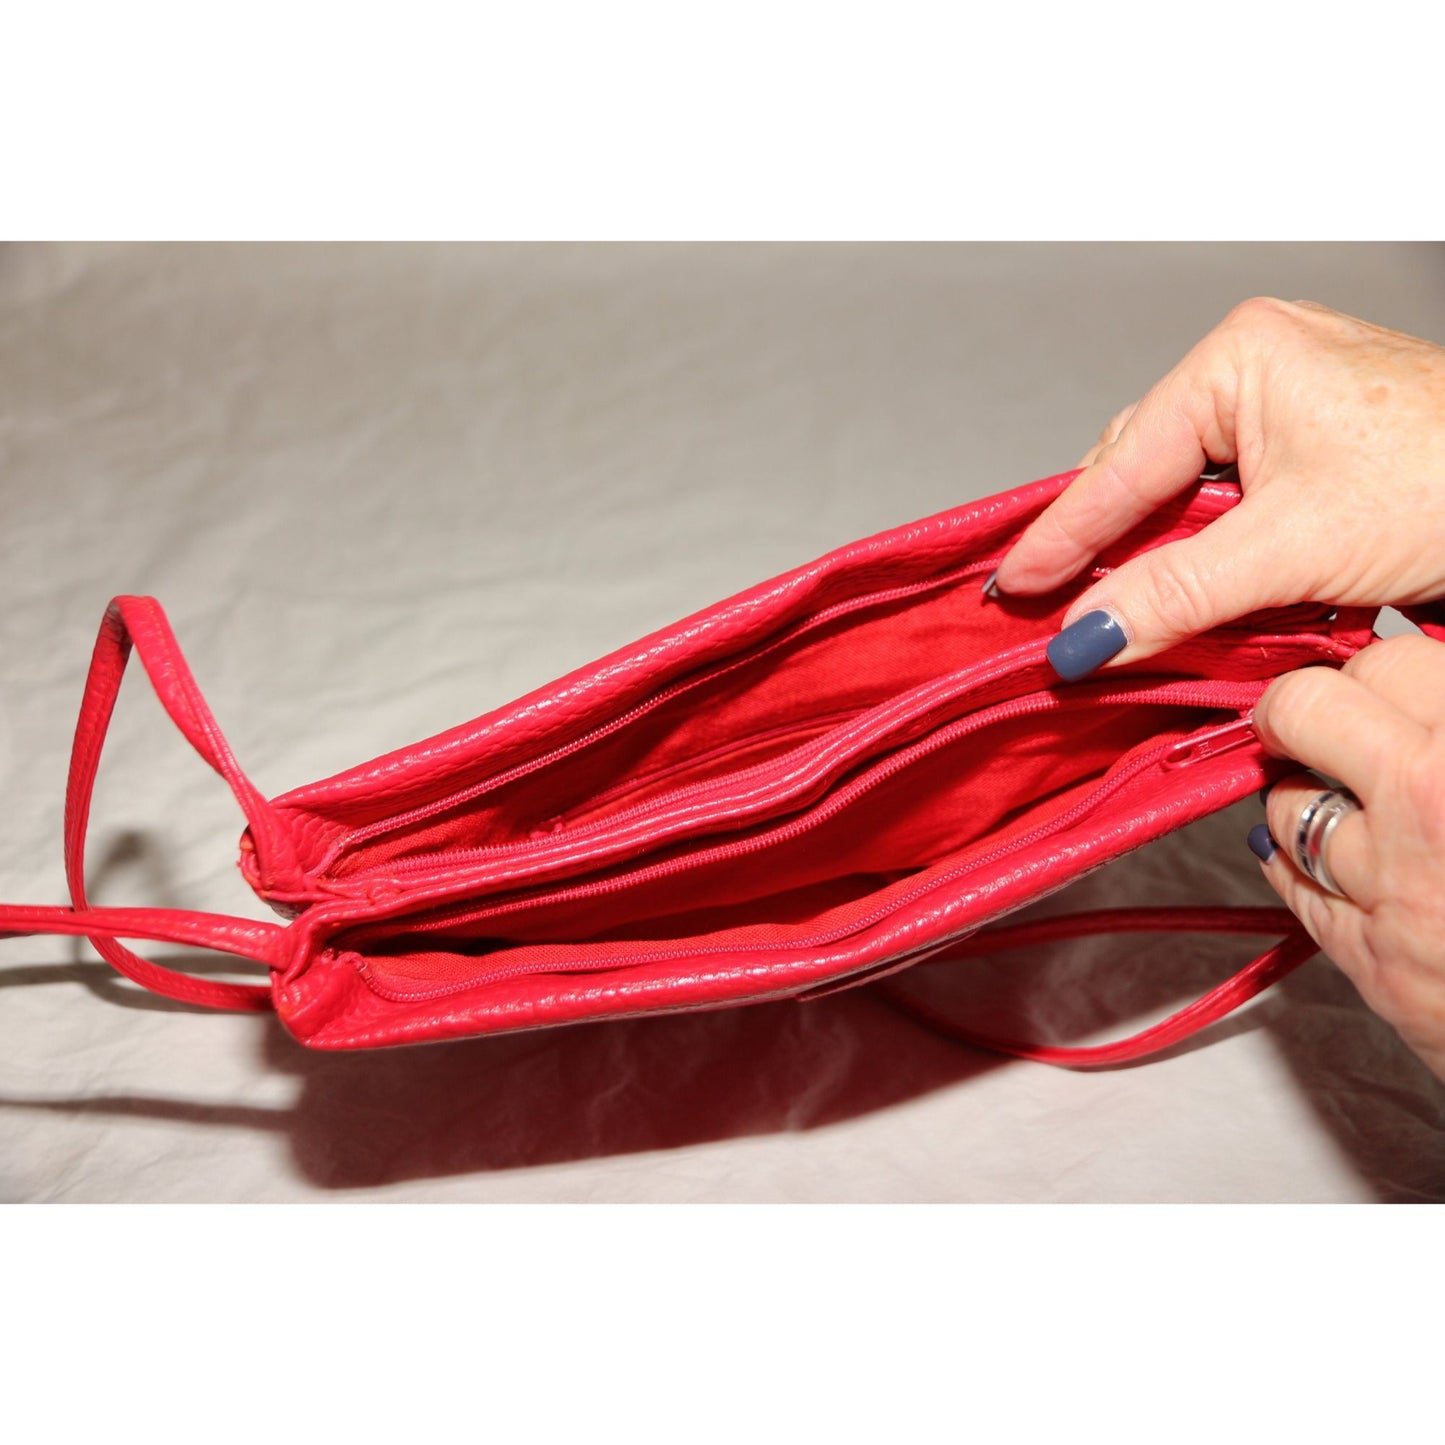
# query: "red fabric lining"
{"points": [[853, 662], [892, 833], [742, 719], [1021, 773]]}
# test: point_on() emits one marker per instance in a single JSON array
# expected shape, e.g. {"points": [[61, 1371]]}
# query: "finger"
{"points": [[1109, 435], [1333, 723], [1349, 852], [1163, 446], [1406, 671], [1183, 588], [1336, 924]]}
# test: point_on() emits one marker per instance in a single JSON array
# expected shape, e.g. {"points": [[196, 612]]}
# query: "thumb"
{"points": [[1173, 592]]}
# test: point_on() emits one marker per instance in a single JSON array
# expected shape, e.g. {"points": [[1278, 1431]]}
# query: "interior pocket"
{"points": [[634, 820], [726, 760], [931, 807], [840, 662], [782, 694]]}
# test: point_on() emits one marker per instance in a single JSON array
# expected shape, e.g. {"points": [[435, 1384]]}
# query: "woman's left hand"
{"points": [[1377, 725]]}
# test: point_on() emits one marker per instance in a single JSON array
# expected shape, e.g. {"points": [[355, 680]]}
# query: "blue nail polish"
{"points": [[1261, 844], [988, 589], [1085, 645], [1264, 792]]}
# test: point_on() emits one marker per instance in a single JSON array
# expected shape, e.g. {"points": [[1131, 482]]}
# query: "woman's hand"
{"points": [[1338, 429], [1378, 725]]}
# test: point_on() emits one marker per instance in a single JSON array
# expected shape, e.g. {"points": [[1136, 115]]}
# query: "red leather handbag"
{"points": [[851, 768]]}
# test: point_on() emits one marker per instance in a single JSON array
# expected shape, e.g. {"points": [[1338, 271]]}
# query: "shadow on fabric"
{"points": [[637, 1086]]}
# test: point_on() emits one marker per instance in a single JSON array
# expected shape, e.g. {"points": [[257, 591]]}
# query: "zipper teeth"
{"points": [[1176, 694], [465, 795], [758, 777], [1226, 695], [849, 793], [578, 819]]}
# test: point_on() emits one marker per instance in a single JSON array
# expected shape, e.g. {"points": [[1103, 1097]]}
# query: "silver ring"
{"points": [[1319, 820]]}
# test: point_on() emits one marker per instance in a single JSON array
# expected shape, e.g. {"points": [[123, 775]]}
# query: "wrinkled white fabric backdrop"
{"points": [[381, 490]]}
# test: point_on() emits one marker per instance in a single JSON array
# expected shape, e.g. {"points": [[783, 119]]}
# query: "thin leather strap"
{"points": [[1285, 956], [262, 942], [140, 622], [244, 937]]}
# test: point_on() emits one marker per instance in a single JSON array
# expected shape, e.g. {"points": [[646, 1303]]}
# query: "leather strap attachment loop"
{"points": [[139, 623]]}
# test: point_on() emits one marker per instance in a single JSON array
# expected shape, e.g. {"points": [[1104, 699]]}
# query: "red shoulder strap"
{"points": [[244, 937], [1286, 955], [139, 622]]}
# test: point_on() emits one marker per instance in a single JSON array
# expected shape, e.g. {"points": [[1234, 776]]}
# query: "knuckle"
{"points": [[1258, 312], [1063, 527], [1116, 487], [1175, 595], [1314, 911], [1302, 903], [1424, 786], [1298, 694], [1283, 816], [1119, 421]]}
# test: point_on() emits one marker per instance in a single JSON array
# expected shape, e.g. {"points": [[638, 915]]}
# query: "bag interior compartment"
{"points": [[830, 868], [747, 711], [732, 714]]}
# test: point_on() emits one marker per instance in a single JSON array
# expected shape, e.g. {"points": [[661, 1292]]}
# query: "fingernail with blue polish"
{"points": [[1261, 844], [1086, 644], [1264, 792], [989, 588]]}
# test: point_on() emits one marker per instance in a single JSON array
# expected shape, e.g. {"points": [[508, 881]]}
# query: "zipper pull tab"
{"points": [[1211, 743]]}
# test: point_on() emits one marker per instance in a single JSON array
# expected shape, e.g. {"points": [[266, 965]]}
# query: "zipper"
{"points": [[1211, 743], [750, 794], [1221, 695], [581, 815], [357, 837], [1180, 694]]}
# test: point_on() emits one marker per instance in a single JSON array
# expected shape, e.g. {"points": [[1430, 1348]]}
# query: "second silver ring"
{"points": [[1321, 816]]}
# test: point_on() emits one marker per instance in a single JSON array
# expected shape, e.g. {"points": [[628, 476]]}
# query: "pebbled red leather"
{"points": [[848, 769]]}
